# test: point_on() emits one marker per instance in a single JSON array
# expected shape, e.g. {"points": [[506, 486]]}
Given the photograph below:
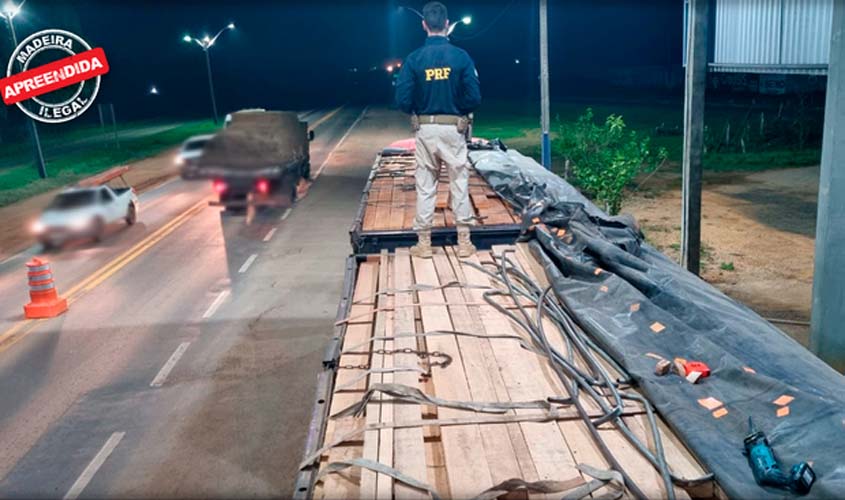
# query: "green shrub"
{"points": [[605, 158]]}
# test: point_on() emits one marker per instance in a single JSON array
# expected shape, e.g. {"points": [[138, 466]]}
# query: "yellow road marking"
{"points": [[323, 119], [128, 256], [24, 327]]}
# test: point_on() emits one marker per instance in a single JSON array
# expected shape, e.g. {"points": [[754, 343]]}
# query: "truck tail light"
{"points": [[262, 186], [219, 186]]}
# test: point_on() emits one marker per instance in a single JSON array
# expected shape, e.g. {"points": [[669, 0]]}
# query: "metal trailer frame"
{"points": [[305, 479], [373, 242]]}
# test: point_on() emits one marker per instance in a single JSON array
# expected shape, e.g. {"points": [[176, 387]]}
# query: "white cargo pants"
{"points": [[441, 144]]}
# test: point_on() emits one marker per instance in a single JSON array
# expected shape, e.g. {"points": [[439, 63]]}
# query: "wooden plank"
{"points": [[643, 473], [391, 203], [385, 452], [524, 381], [370, 451], [409, 452], [345, 485], [466, 462], [410, 202], [480, 378], [481, 202], [517, 438], [397, 205]]}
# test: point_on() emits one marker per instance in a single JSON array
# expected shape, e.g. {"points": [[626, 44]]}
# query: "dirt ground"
{"points": [[757, 236]]}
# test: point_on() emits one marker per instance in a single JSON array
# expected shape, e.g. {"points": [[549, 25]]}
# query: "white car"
{"points": [[190, 151], [85, 212]]}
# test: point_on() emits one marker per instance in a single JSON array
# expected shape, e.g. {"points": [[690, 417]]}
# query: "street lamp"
{"points": [[9, 11], [415, 11], [466, 21], [206, 43], [153, 90]]}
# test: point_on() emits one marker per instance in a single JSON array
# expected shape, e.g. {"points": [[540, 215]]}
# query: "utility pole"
{"points": [[33, 130], [211, 85], [826, 338], [544, 85], [695, 86]]}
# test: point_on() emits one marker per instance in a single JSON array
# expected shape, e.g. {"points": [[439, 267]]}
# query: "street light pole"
{"points": [[211, 85], [205, 43], [9, 14], [544, 85]]}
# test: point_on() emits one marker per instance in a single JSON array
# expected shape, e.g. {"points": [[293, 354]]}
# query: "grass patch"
{"points": [[17, 183], [518, 125], [727, 266], [762, 160]]}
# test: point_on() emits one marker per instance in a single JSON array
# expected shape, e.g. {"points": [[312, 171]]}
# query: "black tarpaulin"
{"points": [[636, 303]]}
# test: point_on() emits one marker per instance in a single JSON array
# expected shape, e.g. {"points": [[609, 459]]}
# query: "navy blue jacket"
{"points": [[438, 79]]}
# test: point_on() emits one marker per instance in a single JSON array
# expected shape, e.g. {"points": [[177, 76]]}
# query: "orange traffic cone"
{"points": [[45, 302]]}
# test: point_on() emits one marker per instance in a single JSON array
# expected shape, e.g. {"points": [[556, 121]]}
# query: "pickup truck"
{"points": [[84, 212]]}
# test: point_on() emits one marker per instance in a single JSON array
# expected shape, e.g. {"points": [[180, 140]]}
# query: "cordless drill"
{"points": [[766, 469]]}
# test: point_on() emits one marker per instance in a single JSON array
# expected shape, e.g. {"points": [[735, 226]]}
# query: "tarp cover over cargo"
{"points": [[637, 303], [257, 139]]}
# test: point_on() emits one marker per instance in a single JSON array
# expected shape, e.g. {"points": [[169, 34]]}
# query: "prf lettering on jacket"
{"points": [[437, 74]]}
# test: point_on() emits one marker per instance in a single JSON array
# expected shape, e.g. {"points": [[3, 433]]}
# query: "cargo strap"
{"points": [[422, 287], [349, 319], [551, 416], [407, 394], [573, 489], [369, 371], [439, 119], [381, 469], [440, 333]]}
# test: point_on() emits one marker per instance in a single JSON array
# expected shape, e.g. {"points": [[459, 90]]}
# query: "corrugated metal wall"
{"points": [[772, 36]]}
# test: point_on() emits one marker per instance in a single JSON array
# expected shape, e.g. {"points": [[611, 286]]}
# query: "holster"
{"points": [[463, 124]]}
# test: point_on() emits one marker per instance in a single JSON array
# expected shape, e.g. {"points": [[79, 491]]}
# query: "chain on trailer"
{"points": [[445, 359]]}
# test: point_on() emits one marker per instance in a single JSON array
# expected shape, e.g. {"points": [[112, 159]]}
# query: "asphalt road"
{"points": [[186, 364]]}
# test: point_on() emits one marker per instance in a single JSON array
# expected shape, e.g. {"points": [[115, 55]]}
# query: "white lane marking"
{"points": [[329, 157], [248, 263], [270, 234], [159, 379], [13, 257], [94, 466], [285, 215], [216, 304]]}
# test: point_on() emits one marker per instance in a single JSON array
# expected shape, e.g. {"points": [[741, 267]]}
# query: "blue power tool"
{"points": [[766, 469]]}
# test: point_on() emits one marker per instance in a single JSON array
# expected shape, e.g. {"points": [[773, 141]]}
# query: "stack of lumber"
{"points": [[391, 199], [463, 453]]}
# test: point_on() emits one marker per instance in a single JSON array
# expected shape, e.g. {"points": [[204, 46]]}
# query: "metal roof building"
{"points": [[769, 36]]}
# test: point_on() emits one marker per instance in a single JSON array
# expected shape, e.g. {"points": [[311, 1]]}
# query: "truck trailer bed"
{"points": [[395, 332], [386, 214]]}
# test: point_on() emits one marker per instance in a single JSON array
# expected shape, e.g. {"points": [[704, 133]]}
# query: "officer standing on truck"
{"points": [[438, 85]]}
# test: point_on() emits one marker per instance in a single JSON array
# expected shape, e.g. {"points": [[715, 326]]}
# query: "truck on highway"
{"points": [[84, 212], [258, 159]]}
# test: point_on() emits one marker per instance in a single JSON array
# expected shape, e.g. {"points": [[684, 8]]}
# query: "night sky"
{"points": [[301, 54]]}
